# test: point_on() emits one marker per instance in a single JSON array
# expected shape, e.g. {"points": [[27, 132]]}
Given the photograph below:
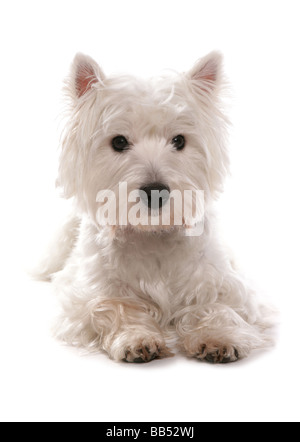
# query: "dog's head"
{"points": [[131, 139]]}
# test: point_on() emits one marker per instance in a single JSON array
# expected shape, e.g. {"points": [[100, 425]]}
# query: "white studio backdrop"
{"points": [[42, 380]]}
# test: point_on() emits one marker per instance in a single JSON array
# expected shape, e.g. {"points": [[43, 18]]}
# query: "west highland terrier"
{"points": [[140, 262]]}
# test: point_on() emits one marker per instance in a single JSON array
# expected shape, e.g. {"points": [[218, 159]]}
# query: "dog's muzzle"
{"points": [[155, 195]]}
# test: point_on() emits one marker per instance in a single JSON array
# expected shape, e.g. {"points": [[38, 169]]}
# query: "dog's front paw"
{"points": [[146, 350], [215, 353]]}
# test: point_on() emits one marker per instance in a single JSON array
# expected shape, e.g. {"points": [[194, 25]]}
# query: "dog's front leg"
{"points": [[222, 323], [128, 331], [216, 333]]}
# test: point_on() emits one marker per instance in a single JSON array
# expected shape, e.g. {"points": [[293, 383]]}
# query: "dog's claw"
{"points": [[139, 361], [224, 355], [147, 353], [210, 358]]}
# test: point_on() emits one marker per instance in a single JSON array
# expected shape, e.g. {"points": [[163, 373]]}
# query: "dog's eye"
{"points": [[178, 142], [120, 143]]}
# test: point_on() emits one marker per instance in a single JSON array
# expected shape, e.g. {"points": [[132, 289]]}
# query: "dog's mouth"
{"points": [[159, 208], [153, 207]]}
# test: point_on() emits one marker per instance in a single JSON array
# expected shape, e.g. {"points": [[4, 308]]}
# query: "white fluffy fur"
{"points": [[127, 290]]}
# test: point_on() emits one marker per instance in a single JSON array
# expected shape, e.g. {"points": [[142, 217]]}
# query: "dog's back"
{"points": [[58, 250]]}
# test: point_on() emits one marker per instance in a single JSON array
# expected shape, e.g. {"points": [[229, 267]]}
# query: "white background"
{"points": [[41, 380]]}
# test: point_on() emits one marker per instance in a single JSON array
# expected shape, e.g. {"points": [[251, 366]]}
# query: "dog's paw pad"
{"points": [[216, 354], [146, 352]]}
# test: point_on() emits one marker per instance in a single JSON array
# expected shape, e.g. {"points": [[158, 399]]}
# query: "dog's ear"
{"points": [[207, 72], [85, 72]]}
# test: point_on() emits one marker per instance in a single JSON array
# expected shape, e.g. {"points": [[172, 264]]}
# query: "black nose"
{"points": [[155, 195]]}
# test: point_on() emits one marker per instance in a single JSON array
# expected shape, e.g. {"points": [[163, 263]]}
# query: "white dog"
{"points": [[129, 287]]}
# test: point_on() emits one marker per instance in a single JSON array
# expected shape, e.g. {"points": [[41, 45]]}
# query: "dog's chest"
{"points": [[158, 266]]}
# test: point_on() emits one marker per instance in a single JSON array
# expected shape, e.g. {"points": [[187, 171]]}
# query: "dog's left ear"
{"points": [[207, 72], [85, 73]]}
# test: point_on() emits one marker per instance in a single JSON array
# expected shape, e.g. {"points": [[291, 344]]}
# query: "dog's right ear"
{"points": [[85, 74]]}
